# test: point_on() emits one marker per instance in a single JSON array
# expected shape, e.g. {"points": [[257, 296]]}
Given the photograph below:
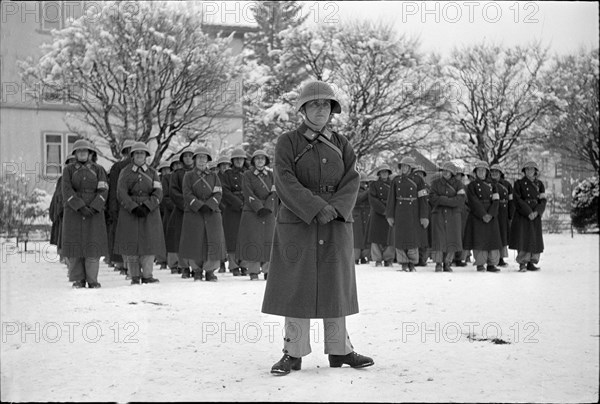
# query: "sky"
{"points": [[443, 25]]}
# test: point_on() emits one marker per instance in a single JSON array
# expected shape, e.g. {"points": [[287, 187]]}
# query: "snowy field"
{"points": [[435, 337]]}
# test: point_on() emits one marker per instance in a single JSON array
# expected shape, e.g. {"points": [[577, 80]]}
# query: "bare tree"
{"points": [[152, 76]]}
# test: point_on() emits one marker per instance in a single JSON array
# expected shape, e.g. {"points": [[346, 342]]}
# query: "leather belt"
{"points": [[324, 189]]}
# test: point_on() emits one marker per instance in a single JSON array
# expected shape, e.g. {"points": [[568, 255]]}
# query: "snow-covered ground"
{"points": [[431, 335]]}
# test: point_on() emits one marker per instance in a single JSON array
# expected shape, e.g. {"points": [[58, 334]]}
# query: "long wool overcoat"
{"points": [[173, 233], [202, 237], [525, 234], [447, 199], [84, 185], [408, 203], [255, 236], [166, 203], [312, 265], [55, 211], [360, 215], [378, 228], [233, 199], [139, 185], [504, 212], [483, 198], [113, 205]]}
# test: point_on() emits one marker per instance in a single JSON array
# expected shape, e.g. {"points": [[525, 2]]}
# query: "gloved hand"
{"points": [[205, 209], [327, 214], [86, 211], [262, 212], [391, 221], [424, 223], [487, 218], [139, 211], [533, 215]]}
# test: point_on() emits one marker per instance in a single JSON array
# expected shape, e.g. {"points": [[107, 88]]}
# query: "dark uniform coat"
{"points": [[483, 198], [255, 236], [312, 265], [113, 205], [56, 212], [408, 203], [202, 237], [166, 203], [447, 199], [84, 185], [139, 185], [360, 215], [504, 211], [233, 199], [378, 228], [176, 219], [525, 234]]}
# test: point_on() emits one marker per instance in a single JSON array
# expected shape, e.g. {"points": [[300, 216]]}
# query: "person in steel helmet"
{"points": [[84, 238], [504, 212], [164, 171], [312, 272], [378, 229], [360, 215], [529, 195]]}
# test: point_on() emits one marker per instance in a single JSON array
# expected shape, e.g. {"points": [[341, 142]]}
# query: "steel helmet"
{"points": [[139, 146], [223, 159], [382, 168], [496, 167], [420, 168], [82, 144], [211, 164], [127, 144], [70, 158], [408, 161], [530, 164], [202, 150], [318, 90], [238, 153], [480, 164], [260, 153], [449, 166], [183, 152], [164, 164]]}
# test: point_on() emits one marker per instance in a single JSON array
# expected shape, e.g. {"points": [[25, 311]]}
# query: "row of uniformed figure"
{"points": [[407, 220], [135, 214]]}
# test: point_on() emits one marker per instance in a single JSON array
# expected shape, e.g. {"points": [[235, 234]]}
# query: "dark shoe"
{"points": [[353, 359], [493, 268], [150, 280], [244, 271], [356, 262], [253, 277], [532, 267], [163, 265], [235, 271], [387, 264], [186, 273], [78, 284], [480, 268], [286, 364], [179, 270], [222, 268], [265, 276], [460, 263], [210, 276], [123, 271], [404, 267], [447, 267], [198, 275], [411, 267], [501, 263], [192, 273], [364, 260], [135, 280], [438, 268], [377, 263], [94, 285], [174, 271], [523, 267]]}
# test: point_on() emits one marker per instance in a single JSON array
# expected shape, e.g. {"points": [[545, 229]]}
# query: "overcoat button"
{"points": [[321, 242]]}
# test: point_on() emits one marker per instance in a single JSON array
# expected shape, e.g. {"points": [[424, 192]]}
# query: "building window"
{"points": [[57, 146]]}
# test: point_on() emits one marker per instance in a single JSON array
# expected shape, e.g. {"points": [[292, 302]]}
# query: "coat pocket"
{"points": [[287, 216]]}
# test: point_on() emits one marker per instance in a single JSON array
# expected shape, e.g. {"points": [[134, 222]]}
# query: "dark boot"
{"points": [[265, 276], [94, 285], [163, 265], [235, 271], [150, 280], [460, 263], [447, 267], [123, 271], [501, 263], [387, 264], [135, 280], [480, 268], [253, 277], [244, 271], [364, 260], [210, 276], [78, 284], [186, 273], [222, 267], [353, 359], [411, 267], [286, 364], [377, 263], [438, 267], [174, 271], [532, 267], [493, 268], [522, 267], [404, 267], [198, 275]]}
